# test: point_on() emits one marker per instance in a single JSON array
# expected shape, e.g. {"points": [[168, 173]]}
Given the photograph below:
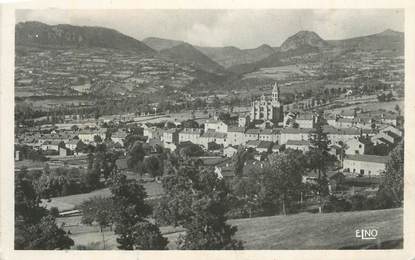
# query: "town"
{"points": [[315, 134]]}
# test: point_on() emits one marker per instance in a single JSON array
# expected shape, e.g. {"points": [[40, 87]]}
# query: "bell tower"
{"points": [[276, 94]]}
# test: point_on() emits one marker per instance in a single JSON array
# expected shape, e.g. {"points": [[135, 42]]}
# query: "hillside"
{"points": [[230, 56], [320, 231], [63, 35], [386, 40], [159, 44], [304, 39], [186, 53]]}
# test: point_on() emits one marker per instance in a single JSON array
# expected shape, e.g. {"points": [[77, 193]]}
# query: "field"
{"points": [[64, 203], [277, 73], [318, 231], [300, 231]]}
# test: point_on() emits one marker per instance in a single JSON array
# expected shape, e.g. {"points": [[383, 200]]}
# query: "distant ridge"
{"points": [[188, 54], [64, 35]]}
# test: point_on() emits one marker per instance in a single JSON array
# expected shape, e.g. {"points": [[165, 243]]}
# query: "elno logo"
{"points": [[370, 233]]}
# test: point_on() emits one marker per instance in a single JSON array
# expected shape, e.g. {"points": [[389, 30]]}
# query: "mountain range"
{"points": [[210, 59]]}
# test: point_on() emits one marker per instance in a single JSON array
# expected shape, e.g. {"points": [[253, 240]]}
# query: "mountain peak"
{"points": [[303, 39]]}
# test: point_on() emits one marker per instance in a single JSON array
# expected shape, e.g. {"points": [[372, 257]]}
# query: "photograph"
{"points": [[208, 129]]}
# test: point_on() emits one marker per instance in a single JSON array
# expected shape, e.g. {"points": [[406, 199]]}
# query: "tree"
{"points": [[153, 165], [147, 236], [239, 159], [135, 156], [45, 235], [391, 187], [34, 228], [189, 149], [283, 180], [97, 139], [130, 211], [319, 159], [206, 227], [99, 210]]}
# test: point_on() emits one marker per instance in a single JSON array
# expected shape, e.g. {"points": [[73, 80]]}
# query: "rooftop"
{"points": [[367, 158]]}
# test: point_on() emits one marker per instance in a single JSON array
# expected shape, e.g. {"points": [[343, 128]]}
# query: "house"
{"points": [[277, 148], [393, 129], [271, 135], [216, 125], [306, 120], [212, 137], [63, 151], [171, 138], [251, 134], [264, 147], [301, 145], [243, 121], [153, 132], [349, 114], [365, 165], [356, 146], [336, 135], [230, 151], [119, 137], [50, 146], [72, 144], [87, 135], [344, 123], [236, 136], [294, 134], [190, 135]]}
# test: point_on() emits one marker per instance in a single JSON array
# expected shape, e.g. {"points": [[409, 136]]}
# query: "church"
{"points": [[268, 109]]}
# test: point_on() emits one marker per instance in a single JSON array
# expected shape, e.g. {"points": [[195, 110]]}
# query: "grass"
{"points": [[318, 231], [64, 203], [300, 231]]}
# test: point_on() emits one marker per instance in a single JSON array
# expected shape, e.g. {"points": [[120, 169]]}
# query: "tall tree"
{"points": [[392, 185], [206, 227], [283, 179], [130, 212]]}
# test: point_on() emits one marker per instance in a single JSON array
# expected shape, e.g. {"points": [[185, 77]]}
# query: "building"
{"points": [[294, 134], [119, 137], [271, 135], [301, 145], [236, 136], [152, 132], [251, 134], [216, 125], [268, 109], [243, 120], [306, 120], [87, 136], [356, 146], [171, 138], [190, 135], [230, 151], [212, 137], [365, 165]]}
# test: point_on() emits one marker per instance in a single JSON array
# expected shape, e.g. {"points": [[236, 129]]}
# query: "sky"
{"points": [[239, 28]]}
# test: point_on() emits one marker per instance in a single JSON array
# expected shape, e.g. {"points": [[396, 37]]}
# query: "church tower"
{"points": [[276, 94]]}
